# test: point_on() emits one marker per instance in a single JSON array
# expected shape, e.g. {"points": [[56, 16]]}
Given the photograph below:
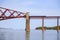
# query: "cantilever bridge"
{"points": [[17, 14]]}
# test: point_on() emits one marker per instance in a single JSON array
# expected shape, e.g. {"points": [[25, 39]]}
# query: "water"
{"points": [[9, 34]]}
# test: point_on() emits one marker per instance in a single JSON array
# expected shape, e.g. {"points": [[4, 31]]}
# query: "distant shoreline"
{"points": [[47, 28]]}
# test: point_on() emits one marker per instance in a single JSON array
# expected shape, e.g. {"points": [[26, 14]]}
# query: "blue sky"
{"points": [[35, 7]]}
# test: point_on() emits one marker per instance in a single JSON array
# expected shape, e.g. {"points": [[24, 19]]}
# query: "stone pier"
{"points": [[42, 23], [27, 22]]}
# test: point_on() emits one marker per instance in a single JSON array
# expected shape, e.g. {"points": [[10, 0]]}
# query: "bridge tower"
{"points": [[27, 22]]}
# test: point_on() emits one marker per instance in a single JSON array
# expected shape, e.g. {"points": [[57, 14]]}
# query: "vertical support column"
{"points": [[43, 28], [57, 28], [42, 23], [27, 22], [57, 23]]}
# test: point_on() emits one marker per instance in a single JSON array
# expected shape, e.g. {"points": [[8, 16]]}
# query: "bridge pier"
{"points": [[42, 23], [57, 23], [27, 22]]}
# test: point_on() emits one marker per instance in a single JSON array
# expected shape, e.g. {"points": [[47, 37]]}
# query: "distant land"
{"points": [[5, 28], [48, 28]]}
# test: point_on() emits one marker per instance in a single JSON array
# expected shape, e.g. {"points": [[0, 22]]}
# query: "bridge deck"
{"points": [[32, 17], [48, 17]]}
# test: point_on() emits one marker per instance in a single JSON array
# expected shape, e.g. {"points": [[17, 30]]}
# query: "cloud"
{"points": [[27, 3], [45, 12], [25, 6], [17, 4]]}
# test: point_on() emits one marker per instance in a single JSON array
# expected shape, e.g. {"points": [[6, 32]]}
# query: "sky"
{"points": [[35, 8]]}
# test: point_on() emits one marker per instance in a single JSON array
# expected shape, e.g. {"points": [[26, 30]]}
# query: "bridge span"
{"points": [[9, 14]]}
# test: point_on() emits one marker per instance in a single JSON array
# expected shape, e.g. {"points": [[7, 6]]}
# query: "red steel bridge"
{"points": [[4, 16]]}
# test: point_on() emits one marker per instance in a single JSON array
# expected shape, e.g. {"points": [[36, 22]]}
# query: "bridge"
{"points": [[17, 14]]}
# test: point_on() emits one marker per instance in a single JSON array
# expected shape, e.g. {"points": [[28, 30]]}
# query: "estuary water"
{"points": [[10, 34]]}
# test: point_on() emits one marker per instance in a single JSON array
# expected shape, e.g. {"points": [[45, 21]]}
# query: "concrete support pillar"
{"points": [[42, 28], [27, 22], [57, 23], [42, 23], [57, 28]]}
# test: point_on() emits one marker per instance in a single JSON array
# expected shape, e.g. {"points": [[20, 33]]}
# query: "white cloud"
{"points": [[27, 3], [45, 12]]}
